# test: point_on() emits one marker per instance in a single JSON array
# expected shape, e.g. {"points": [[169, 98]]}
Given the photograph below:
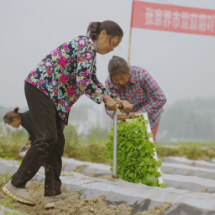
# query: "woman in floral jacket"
{"points": [[51, 89]]}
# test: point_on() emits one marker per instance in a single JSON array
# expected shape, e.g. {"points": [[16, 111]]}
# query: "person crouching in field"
{"points": [[15, 119], [135, 85]]}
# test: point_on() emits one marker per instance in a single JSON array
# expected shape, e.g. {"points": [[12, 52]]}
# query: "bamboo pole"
{"points": [[130, 34], [129, 46]]}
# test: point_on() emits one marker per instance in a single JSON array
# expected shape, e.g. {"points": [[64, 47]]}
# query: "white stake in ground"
{"points": [[160, 179]]}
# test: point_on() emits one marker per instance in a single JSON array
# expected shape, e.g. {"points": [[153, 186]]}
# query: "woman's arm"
{"points": [[84, 81], [85, 57], [156, 98], [101, 86]]}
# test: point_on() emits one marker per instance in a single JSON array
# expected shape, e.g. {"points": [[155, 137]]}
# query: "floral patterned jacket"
{"points": [[67, 73]]}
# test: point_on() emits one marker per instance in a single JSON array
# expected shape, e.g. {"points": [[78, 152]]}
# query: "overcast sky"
{"points": [[182, 64]]}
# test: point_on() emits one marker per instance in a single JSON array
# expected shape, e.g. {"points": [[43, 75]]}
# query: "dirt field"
{"points": [[72, 205]]}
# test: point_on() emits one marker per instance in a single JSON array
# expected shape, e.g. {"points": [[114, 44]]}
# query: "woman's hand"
{"points": [[121, 116], [28, 144], [110, 104], [126, 105], [133, 115]]}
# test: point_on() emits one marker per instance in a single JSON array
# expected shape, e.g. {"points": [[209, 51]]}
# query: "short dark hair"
{"points": [[111, 27], [10, 115], [117, 65]]}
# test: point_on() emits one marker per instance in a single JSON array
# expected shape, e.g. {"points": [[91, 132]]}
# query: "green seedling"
{"points": [[135, 162]]}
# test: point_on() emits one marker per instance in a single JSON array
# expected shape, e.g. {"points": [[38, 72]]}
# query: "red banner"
{"points": [[173, 18]]}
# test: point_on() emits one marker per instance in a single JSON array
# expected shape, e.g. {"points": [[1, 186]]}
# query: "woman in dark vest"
{"points": [[51, 89], [15, 119]]}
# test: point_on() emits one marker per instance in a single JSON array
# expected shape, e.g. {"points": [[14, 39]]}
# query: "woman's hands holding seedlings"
{"points": [[121, 116], [111, 104], [133, 115], [125, 104]]}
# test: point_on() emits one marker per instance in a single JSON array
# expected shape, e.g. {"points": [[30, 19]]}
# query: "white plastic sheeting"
{"points": [[179, 169], [7, 211], [138, 196], [195, 163], [180, 176]]}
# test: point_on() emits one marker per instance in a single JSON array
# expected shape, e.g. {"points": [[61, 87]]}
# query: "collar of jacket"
{"points": [[94, 43]]}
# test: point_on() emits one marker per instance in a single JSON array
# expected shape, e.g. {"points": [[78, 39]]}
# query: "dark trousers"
{"points": [[48, 146]]}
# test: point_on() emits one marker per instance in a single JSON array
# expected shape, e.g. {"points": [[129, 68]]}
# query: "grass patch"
{"points": [[191, 152], [10, 147], [188, 144], [4, 178], [93, 148], [12, 213], [7, 201], [93, 151]]}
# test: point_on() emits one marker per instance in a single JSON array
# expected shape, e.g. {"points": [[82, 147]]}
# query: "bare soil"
{"points": [[165, 172], [192, 164], [92, 174], [204, 190], [72, 205], [211, 151], [79, 168], [156, 211]]}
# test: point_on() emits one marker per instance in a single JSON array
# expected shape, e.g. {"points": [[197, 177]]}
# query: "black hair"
{"points": [[111, 27], [117, 65], [10, 115]]}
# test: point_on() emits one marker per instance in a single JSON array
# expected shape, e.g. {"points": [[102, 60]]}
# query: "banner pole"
{"points": [[129, 45]]}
